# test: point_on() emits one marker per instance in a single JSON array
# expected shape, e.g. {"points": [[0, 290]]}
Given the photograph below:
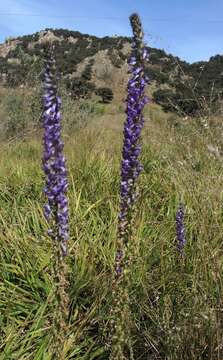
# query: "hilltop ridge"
{"points": [[88, 63]]}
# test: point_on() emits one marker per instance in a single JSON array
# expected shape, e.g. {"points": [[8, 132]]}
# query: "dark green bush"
{"points": [[16, 121], [106, 94], [79, 87]]}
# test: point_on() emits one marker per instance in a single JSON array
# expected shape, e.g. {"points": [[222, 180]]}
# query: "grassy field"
{"points": [[176, 305]]}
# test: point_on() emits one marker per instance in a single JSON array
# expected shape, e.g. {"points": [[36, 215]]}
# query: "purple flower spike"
{"points": [[180, 230], [130, 165], [54, 167]]}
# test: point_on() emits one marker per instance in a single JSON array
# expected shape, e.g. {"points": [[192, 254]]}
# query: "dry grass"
{"points": [[176, 306]]}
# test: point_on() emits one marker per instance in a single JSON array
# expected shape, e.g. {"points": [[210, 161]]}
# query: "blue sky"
{"points": [[192, 29]]}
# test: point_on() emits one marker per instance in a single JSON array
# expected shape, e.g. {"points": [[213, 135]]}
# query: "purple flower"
{"points": [[54, 167], [130, 164], [180, 229]]}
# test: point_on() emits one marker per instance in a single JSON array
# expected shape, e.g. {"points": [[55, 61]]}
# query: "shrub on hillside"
{"points": [[179, 102], [15, 122], [87, 73], [106, 94], [80, 88]]}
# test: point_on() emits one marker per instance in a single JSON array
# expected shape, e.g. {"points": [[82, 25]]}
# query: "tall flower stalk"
{"points": [[180, 230], [130, 171], [130, 165], [56, 208]]}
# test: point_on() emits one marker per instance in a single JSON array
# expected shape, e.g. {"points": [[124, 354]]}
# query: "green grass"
{"points": [[176, 306]]}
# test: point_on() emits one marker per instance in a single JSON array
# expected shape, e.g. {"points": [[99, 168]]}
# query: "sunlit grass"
{"points": [[176, 305]]}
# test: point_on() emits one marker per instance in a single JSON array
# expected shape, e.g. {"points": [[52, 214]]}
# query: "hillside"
{"points": [[144, 272], [90, 65]]}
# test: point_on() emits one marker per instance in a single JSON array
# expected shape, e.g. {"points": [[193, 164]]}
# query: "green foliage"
{"points": [[80, 88], [86, 74], [68, 53], [16, 122], [16, 74], [20, 111], [92, 108], [178, 101], [192, 88], [155, 73], [175, 305], [106, 94], [78, 113], [115, 57]]}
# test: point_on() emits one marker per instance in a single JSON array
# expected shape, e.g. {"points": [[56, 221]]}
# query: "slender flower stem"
{"points": [[56, 209], [130, 165], [130, 171], [180, 230]]}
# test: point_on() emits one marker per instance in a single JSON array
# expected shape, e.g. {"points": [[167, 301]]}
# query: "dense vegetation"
{"points": [[192, 88], [24, 62], [176, 306], [141, 279]]}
